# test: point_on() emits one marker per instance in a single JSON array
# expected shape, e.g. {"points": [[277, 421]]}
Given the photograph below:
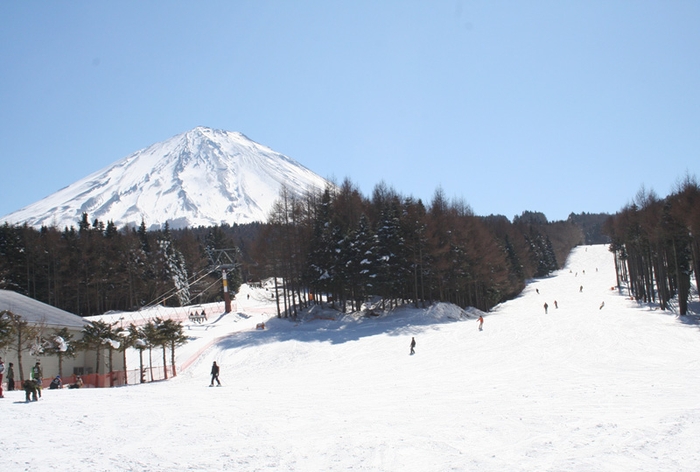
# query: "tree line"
{"points": [[97, 267], [335, 244], [656, 242], [341, 246]]}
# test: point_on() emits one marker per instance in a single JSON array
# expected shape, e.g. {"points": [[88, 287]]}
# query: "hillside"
{"points": [[577, 388]]}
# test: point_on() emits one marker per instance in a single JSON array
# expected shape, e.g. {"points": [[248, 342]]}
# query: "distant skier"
{"points": [[580, 288], [556, 305], [481, 323], [601, 306], [545, 307], [215, 374], [537, 290], [413, 345]]}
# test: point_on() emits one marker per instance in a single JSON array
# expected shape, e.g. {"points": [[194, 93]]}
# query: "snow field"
{"points": [[579, 388]]}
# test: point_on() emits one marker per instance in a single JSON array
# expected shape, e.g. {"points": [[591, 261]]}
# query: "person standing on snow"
{"points": [[37, 376], [413, 345], [11, 377], [215, 374], [2, 371], [481, 323], [545, 307]]}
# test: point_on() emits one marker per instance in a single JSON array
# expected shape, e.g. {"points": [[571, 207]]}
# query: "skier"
{"points": [[601, 306], [545, 307], [215, 374], [580, 288], [556, 305], [481, 323], [413, 345]]}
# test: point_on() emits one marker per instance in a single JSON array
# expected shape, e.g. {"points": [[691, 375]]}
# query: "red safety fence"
{"points": [[112, 379]]}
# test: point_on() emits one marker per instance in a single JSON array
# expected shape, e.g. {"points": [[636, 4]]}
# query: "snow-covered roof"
{"points": [[37, 312]]}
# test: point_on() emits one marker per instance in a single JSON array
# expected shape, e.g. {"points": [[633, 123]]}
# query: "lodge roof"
{"points": [[36, 312]]}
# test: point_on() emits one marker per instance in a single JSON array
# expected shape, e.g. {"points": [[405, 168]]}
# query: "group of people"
{"points": [[198, 317], [33, 385]]}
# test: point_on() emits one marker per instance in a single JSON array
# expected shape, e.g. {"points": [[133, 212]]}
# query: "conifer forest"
{"points": [[656, 242], [340, 247]]}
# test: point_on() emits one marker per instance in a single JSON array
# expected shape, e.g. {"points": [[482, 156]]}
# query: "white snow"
{"points": [[579, 388]]}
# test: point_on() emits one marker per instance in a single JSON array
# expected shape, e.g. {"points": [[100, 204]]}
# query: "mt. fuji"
{"points": [[202, 177]]}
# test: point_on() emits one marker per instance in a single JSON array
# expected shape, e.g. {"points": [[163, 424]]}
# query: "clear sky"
{"points": [[551, 106]]}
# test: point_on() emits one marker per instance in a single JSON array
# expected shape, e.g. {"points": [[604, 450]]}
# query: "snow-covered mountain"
{"points": [[201, 177]]}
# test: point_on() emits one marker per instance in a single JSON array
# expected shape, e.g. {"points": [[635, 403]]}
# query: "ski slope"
{"points": [[579, 388]]}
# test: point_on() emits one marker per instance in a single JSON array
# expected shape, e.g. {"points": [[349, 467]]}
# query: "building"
{"points": [[41, 343]]}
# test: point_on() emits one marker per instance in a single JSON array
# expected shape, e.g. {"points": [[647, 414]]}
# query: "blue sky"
{"points": [[551, 106]]}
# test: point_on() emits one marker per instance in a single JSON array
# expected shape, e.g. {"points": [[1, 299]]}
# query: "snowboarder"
{"points": [[11, 377], [545, 307], [413, 345], [215, 374], [481, 323]]}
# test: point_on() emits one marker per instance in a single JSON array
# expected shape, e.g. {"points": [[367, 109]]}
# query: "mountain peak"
{"points": [[202, 177]]}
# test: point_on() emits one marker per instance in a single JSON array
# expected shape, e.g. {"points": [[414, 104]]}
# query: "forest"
{"points": [[96, 268], [336, 245], [346, 248], [656, 242]]}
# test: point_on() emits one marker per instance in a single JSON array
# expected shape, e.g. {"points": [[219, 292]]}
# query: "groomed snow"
{"points": [[579, 388]]}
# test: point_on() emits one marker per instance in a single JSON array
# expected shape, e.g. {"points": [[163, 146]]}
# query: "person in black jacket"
{"points": [[215, 374], [56, 383], [413, 345], [11, 377]]}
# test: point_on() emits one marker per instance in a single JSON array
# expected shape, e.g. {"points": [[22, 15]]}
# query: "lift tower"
{"points": [[224, 260]]}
